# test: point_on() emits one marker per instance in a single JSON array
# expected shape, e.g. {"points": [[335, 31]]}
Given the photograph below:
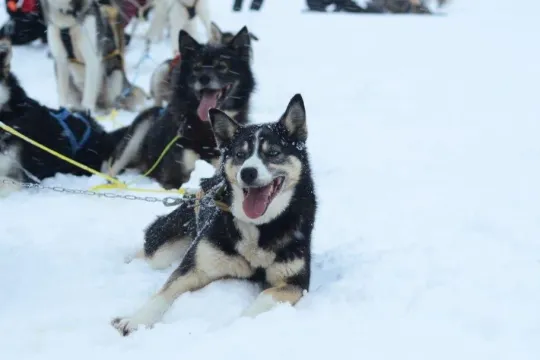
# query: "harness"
{"points": [[191, 10], [175, 62], [62, 115], [65, 37], [162, 111], [25, 6], [68, 45]]}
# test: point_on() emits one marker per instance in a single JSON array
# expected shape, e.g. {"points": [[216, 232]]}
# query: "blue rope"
{"points": [[128, 90]]}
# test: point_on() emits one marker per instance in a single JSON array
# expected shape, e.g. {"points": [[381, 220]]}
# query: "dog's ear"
{"points": [[223, 126], [294, 118], [241, 42], [186, 44], [253, 36], [5, 55], [216, 35]]}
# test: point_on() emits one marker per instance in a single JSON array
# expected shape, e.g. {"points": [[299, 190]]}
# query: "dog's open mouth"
{"points": [[257, 199], [211, 98]]}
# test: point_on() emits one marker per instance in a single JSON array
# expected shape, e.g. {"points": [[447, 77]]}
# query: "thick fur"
{"points": [[273, 249], [178, 15], [34, 120], [95, 78], [203, 67], [161, 79]]}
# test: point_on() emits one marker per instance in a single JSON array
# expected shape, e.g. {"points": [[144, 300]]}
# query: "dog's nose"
{"points": [[248, 175], [204, 80]]}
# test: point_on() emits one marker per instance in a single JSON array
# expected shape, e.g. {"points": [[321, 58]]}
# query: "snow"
{"points": [[423, 135]]}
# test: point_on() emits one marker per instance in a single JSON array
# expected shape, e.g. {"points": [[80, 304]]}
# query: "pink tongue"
{"points": [[208, 101], [256, 201]]}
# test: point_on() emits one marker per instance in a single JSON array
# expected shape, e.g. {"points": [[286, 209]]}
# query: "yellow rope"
{"points": [[111, 116], [114, 183], [171, 143]]}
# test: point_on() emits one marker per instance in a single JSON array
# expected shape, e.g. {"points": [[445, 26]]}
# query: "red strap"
{"points": [[175, 61], [29, 6]]}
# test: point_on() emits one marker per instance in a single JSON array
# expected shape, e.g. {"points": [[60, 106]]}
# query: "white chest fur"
{"points": [[249, 247]]}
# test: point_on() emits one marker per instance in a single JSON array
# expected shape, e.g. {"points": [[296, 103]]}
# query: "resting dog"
{"points": [[74, 134], [262, 230], [86, 40], [161, 80], [209, 76]]}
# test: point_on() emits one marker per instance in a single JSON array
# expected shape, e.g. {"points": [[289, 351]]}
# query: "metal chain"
{"points": [[167, 201]]}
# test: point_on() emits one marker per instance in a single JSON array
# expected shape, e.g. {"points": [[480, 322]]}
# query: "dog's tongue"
{"points": [[208, 101], [256, 201]]}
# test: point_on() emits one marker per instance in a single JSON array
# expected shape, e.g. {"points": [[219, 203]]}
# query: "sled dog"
{"points": [[209, 76], [261, 231], [86, 40]]}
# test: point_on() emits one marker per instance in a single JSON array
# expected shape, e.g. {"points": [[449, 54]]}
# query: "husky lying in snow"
{"points": [[209, 76], [74, 134], [262, 232]]}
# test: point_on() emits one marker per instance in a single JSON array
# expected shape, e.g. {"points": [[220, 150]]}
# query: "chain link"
{"points": [[167, 201]]}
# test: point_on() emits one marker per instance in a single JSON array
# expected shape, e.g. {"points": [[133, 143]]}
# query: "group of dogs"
{"points": [[254, 217]]}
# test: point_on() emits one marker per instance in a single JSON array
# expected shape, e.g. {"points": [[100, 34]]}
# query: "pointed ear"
{"points": [[186, 43], [223, 126], [241, 42], [253, 36], [216, 35], [294, 118]]}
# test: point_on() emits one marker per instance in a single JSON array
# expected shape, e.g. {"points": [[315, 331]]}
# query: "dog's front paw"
{"points": [[124, 325], [139, 254]]}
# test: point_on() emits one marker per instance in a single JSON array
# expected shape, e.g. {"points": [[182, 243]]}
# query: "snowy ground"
{"points": [[424, 143]]}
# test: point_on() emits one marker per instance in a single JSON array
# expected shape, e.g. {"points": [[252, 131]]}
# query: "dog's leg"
{"points": [[167, 239], [159, 18], [203, 11], [178, 17], [160, 84], [10, 173], [115, 85], [61, 64], [202, 264], [86, 40], [270, 298], [132, 148]]}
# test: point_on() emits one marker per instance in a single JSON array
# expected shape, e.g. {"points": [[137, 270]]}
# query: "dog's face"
{"points": [[262, 163], [212, 73], [5, 62]]}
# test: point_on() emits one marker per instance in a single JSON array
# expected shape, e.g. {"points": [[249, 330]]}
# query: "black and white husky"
{"points": [[73, 134], [86, 40], [262, 230], [161, 80], [209, 76]]}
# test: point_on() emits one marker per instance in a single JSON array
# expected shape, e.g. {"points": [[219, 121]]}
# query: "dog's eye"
{"points": [[222, 66], [273, 153], [240, 154], [197, 67]]}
